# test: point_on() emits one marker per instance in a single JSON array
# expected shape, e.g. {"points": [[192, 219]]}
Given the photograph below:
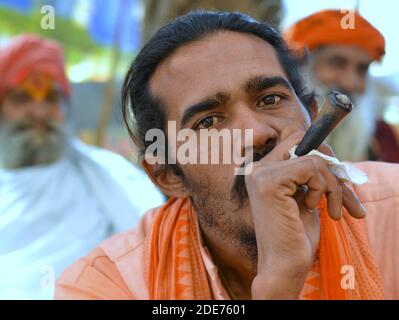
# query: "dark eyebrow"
{"points": [[256, 84], [260, 83], [209, 103]]}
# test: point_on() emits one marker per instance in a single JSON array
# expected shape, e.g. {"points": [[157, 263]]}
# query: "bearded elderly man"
{"points": [[254, 236], [340, 56], [59, 198]]}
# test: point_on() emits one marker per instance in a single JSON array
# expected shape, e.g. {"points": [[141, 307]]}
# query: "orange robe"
{"points": [[165, 257]]}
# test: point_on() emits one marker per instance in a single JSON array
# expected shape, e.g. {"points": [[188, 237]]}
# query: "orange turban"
{"points": [[324, 28], [27, 54]]}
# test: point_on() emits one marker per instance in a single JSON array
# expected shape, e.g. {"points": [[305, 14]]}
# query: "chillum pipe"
{"points": [[336, 107]]}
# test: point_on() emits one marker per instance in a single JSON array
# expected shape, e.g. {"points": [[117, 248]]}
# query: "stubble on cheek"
{"points": [[217, 213]]}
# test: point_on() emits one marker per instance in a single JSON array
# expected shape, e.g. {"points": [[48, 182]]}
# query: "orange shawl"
{"points": [[176, 269]]}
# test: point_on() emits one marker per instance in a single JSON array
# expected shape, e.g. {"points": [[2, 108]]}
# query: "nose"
{"points": [[262, 132], [39, 111]]}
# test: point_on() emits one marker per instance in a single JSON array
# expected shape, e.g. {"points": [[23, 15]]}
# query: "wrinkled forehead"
{"points": [[221, 62]]}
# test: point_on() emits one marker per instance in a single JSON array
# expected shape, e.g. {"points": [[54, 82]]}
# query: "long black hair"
{"points": [[142, 112]]}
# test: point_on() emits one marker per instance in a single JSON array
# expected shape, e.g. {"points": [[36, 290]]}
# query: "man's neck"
{"points": [[236, 269]]}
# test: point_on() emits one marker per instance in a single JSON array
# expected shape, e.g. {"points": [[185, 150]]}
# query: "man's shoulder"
{"points": [[103, 273], [383, 181], [381, 198], [122, 244]]}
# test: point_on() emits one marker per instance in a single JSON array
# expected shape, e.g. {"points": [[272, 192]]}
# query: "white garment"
{"points": [[52, 215]]}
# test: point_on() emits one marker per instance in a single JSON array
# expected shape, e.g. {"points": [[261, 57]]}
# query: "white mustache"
{"points": [[30, 125]]}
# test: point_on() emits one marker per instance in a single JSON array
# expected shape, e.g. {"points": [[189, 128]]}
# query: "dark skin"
{"points": [[284, 223], [19, 105]]}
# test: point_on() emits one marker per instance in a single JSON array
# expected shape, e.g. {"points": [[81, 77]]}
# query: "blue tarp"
{"points": [[21, 5], [102, 20]]}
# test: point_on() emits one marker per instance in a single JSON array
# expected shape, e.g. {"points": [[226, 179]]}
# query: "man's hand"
{"points": [[286, 220]]}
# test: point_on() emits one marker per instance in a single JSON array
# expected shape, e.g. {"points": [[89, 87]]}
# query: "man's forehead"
{"points": [[347, 51], [220, 62], [37, 85]]}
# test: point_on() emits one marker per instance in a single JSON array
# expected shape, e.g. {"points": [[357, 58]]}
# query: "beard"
{"points": [[227, 221], [351, 139], [214, 215], [23, 145]]}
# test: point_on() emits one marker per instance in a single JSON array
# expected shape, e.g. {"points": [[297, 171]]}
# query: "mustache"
{"points": [[259, 153], [28, 124], [22, 146], [239, 192]]}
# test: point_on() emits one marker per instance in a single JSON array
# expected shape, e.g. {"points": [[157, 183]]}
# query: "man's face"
{"points": [[36, 98], [227, 81], [341, 67], [30, 123]]}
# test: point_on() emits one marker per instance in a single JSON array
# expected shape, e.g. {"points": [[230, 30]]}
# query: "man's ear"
{"points": [[165, 179]]}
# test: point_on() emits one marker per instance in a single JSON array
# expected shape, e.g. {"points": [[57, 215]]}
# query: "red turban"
{"points": [[27, 54], [324, 28]]}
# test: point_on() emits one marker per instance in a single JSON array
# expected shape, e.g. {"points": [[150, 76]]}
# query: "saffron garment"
{"points": [[51, 215], [28, 54], [165, 257]]}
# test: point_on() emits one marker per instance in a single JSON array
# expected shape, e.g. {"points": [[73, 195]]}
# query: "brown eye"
{"points": [[269, 100], [207, 122]]}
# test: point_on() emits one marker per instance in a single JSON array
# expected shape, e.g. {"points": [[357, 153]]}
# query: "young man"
{"points": [[58, 197], [222, 236]]}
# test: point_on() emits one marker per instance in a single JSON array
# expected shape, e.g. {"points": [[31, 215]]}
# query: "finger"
{"points": [[326, 149], [281, 150], [316, 184], [315, 192], [321, 182], [349, 199], [311, 222], [333, 193], [352, 203]]}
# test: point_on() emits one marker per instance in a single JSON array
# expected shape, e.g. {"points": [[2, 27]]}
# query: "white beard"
{"points": [[25, 148]]}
